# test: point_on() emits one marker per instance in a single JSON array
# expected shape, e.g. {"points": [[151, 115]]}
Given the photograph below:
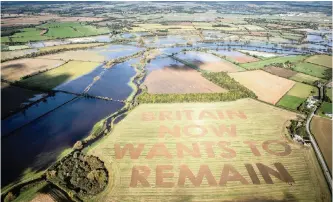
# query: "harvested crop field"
{"points": [[223, 66], [15, 69], [208, 152], [14, 98], [321, 128], [179, 80], [82, 55], [323, 60], [6, 55], [55, 77], [282, 72], [267, 87], [236, 56]]}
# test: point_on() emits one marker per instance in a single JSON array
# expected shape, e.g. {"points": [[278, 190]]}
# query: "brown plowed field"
{"points": [[223, 66], [282, 72], [179, 80], [14, 70], [321, 128], [267, 87]]}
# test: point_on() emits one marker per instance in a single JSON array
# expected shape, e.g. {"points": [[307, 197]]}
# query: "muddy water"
{"points": [[19, 119], [37, 145]]}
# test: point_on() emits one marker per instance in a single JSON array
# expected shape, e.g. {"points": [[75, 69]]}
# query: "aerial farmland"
{"points": [[164, 101]]}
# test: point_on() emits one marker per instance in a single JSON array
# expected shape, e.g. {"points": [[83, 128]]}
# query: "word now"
{"points": [[192, 115], [160, 150], [228, 174]]}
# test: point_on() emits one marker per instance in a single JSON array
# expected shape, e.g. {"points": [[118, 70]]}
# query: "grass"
{"points": [[290, 102], [325, 107], [30, 193], [328, 92], [313, 70], [323, 60], [263, 122], [303, 78], [302, 90], [51, 79], [261, 64]]}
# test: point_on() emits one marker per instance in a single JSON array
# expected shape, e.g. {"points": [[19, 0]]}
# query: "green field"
{"points": [[202, 152], [313, 70], [51, 79], [262, 63], [324, 60], [290, 102], [303, 78], [325, 107], [56, 30], [302, 90]]}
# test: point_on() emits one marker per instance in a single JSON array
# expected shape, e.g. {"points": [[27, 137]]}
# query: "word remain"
{"points": [[164, 175], [192, 115]]}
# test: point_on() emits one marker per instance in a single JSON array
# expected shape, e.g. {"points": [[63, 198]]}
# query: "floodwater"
{"points": [[37, 145], [160, 62], [19, 119], [113, 83], [116, 51], [164, 40], [194, 56], [106, 82]]}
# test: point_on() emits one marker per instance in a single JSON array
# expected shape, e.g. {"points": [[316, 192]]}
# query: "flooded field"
{"points": [[25, 116], [37, 145]]}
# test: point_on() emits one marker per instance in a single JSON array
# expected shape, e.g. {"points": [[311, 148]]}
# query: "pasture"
{"points": [[16, 69], [325, 107], [179, 80], [321, 128], [290, 102], [304, 78], [64, 73], [323, 60], [267, 87], [205, 152], [302, 90], [261, 64], [313, 70]]}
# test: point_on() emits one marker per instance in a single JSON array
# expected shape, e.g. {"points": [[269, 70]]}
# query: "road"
{"points": [[318, 152]]}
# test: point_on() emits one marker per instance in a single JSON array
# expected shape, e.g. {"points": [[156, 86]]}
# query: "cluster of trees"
{"points": [[297, 127], [236, 91], [84, 175]]}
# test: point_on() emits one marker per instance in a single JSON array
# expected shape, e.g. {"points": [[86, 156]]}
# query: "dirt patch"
{"points": [[14, 70], [179, 80], [322, 130], [282, 72], [244, 59], [43, 198], [219, 67], [267, 87]]}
